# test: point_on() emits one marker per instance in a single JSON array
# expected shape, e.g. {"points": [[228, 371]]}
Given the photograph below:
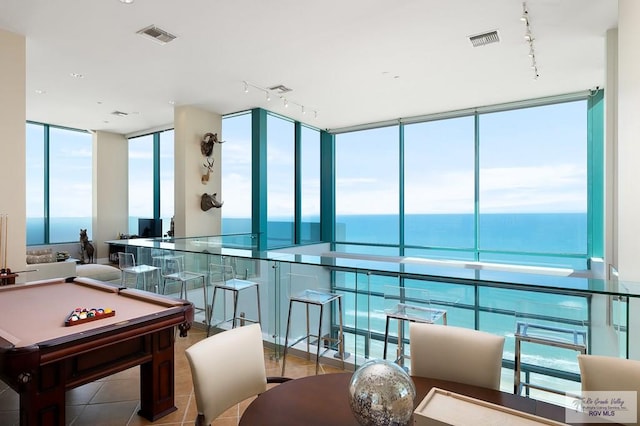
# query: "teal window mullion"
{"points": [[47, 208], [476, 182], [595, 175], [401, 188], [259, 176], [327, 186], [156, 175], [297, 216]]}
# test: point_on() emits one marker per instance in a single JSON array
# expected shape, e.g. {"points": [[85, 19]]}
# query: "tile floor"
{"points": [[114, 400]]}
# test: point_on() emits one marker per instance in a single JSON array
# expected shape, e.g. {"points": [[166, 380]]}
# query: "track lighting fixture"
{"points": [[529, 39], [279, 91]]}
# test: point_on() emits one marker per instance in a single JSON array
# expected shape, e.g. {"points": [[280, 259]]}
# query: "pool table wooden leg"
{"points": [[157, 377], [42, 398]]}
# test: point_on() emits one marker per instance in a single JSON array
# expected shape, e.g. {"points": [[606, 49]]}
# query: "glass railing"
{"points": [[483, 297]]}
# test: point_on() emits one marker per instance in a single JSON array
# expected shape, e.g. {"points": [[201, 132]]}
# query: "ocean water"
{"points": [[62, 229]]}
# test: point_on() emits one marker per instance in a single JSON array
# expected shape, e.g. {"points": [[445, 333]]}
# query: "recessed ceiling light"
{"points": [[280, 89], [126, 1], [156, 34], [172, 102], [76, 75], [484, 38], [40, 91]]}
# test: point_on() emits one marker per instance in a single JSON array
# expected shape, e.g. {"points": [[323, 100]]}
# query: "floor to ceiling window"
{"points": [[35, 181], [151, 184], [141, 195], [59, 183], [508, 185], [236, 173], [439, 187], [533, 185], [167, 179], [310, 184], [280, 181], [367, 181]]}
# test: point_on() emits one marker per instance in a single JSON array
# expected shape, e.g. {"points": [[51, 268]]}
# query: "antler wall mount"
{"points": [[208, 201]]}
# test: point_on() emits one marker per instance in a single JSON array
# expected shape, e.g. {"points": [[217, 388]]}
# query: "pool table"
{"points": [[41, 358]]}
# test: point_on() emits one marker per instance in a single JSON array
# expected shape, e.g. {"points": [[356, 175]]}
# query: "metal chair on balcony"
{"points": [[408, 305], [127, 265], [312, 295], [542, 324], [173, 272], [223, 278]]}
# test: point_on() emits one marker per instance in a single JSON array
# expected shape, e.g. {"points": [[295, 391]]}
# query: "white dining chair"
{"points": [[456, 354], [608, 373], [226, 369]]}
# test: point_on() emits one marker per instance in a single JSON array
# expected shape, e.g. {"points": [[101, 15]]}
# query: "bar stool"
{"points": [[223, 278], [127, 265], [548, 335], [410, 313], [319, 298], [173, 270]]}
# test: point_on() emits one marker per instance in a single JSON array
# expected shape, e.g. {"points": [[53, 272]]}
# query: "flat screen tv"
{"points": [[150, 228]]}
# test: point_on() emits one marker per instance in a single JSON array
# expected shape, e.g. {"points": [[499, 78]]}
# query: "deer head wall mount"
{"points": [[209, 166]]}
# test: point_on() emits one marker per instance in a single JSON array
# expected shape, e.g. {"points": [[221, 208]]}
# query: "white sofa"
{"points": [[42, 265], [44, 271]]}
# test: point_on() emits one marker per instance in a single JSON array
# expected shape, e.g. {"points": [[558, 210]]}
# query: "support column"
{"points": [[628, 146], [628, 155], [13, 118], [110, 190], [191, 124]]}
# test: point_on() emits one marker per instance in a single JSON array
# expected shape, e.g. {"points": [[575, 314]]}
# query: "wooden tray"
{"points": [[442, 407], [69, 322]]}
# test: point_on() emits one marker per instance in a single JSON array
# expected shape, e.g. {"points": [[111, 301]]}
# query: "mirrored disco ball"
{"points": [[381, 393]]}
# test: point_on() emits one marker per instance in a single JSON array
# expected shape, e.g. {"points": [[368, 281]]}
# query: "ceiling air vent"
{"points": [[156, 34], [484, 38], [280, 89], [119, 113]]}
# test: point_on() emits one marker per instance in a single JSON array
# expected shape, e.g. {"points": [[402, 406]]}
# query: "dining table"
{"points": [[323, 400]]}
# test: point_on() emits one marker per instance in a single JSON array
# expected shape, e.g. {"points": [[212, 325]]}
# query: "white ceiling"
{"points": [[352, 61]]}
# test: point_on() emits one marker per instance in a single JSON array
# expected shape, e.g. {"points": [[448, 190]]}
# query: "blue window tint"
{"points": [[280, 181], [367, 186], [236, 174], [70, 184]]}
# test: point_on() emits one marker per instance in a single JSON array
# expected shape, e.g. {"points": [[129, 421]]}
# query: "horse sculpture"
{"points": [[86, 248]]}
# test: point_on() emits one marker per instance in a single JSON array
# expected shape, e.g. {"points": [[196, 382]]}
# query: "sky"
{"points": [[530, 160]]}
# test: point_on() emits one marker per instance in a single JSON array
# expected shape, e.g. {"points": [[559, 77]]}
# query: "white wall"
{"points": [[611, 153], [12, 147], [110, 190], [628, 124], [190, 126]]}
